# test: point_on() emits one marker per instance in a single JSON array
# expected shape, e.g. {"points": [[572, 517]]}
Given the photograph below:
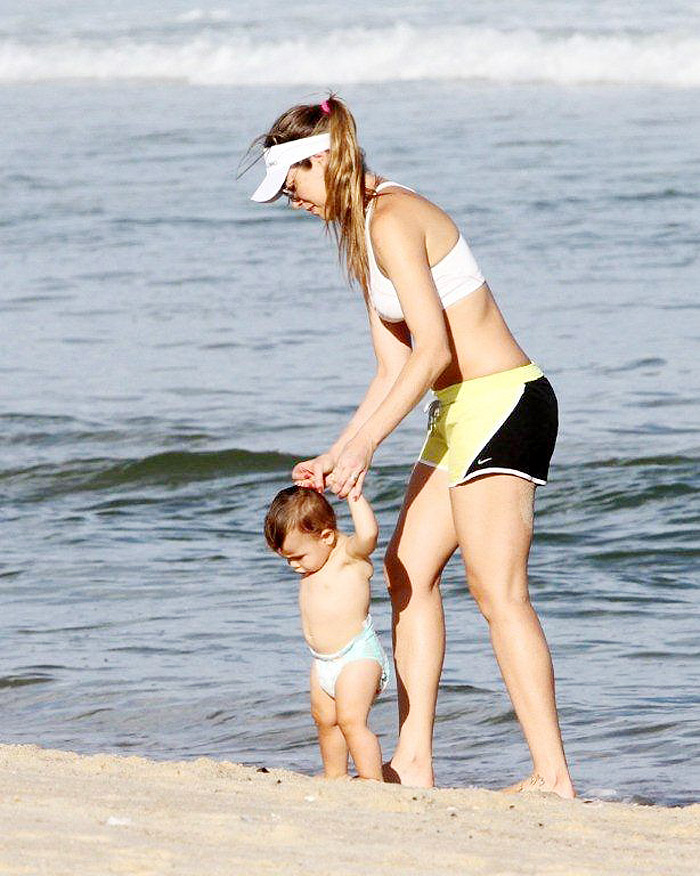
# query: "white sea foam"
{"points": [[205, 15], [369, 55], [601, 793]]}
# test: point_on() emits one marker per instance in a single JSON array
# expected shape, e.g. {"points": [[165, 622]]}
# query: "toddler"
{"points": [[350, 667]]}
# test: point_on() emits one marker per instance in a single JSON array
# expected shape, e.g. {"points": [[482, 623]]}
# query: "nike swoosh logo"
{"points": [[482, 461]]}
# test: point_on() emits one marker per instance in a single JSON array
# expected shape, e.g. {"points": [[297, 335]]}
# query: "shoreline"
{"points": [[66, 813]]}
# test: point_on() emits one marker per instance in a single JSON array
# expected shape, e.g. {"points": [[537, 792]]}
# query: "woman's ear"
{"points": [[321, 158]]}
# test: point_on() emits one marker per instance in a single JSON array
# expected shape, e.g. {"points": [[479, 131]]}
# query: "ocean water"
{"points": [[168, 350]]}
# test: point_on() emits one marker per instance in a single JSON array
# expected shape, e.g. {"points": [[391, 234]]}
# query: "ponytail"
{"points": [[346, 197]]}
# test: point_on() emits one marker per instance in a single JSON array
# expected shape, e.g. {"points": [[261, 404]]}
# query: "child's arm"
{"points": [[364, 540]]}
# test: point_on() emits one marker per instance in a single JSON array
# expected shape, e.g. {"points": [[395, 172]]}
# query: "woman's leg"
{"points": [[334, 749], [422, 543], [494, 520]]}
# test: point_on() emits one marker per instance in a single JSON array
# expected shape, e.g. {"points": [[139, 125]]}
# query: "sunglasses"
{"points": [[290, 191]]}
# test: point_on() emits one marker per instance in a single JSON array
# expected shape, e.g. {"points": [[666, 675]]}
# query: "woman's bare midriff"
{"points": [[480, 341]]}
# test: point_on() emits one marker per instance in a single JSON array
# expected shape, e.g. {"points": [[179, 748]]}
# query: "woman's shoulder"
{"points": [[395, 208], [394, 202], [390, 196], [399, 212], [394, 226]]}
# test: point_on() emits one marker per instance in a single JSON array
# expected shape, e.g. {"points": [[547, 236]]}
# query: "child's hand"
{"points": [[313, 472]]}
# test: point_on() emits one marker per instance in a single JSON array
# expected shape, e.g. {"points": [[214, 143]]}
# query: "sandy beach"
{"points": [[64, 813]]}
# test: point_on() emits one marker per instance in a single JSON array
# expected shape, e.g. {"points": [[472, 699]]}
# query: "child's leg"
{"points": [[334, 749], [355, 690]]}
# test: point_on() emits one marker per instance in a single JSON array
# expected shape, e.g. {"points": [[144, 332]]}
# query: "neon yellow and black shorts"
{"points": [[504, 423]]}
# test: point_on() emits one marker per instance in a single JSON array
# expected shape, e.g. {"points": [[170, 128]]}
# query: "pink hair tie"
{"points": [[325, 108]]}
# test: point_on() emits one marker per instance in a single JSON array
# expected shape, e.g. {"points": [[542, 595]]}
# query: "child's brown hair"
{"points": [[297, 508]]}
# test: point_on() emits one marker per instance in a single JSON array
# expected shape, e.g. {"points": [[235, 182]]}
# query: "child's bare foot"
{"points": [[322, 777], [536, 784], [414, 774]]}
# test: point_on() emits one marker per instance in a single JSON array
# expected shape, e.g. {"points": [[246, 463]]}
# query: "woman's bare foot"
{"points": [[536, 784], [413, 774]]}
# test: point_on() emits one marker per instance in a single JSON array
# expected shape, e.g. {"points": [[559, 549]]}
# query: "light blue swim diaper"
{"points": [[364, 646]]}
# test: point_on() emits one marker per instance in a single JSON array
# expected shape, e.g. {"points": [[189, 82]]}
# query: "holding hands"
{"points": [[344, 473], [314, 472]]}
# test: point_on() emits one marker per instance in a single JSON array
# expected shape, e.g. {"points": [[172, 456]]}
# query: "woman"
{"points": [[434, 324]]}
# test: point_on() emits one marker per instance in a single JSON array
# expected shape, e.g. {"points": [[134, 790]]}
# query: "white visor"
{"points": [[278, 160]]}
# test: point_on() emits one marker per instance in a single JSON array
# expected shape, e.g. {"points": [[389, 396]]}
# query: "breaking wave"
{"points": [[402, 52]]}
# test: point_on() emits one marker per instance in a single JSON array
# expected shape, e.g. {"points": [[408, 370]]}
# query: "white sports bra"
{"points": [[456, 275]]}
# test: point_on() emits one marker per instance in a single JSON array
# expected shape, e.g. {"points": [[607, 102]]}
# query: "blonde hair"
{"points": [[346, 196]]}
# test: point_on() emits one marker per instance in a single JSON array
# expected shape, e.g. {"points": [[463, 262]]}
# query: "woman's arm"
{"points": [[399, 242], [392, 349]]}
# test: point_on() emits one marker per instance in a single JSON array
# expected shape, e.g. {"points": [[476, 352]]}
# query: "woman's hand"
{"points": [[313, 472], [348, 475]]}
